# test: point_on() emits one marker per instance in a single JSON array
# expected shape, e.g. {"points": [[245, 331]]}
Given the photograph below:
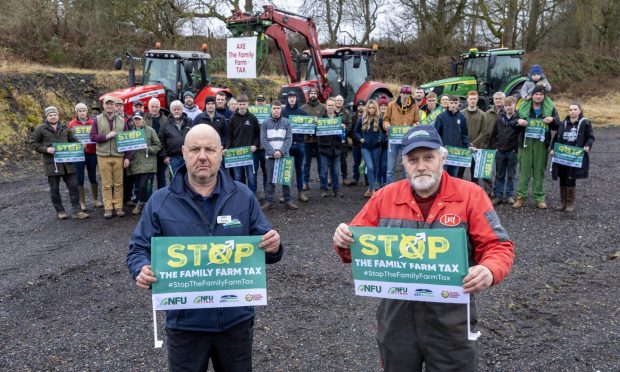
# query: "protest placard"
{"points": [[397, 133], [302, 124], [570, 156], [238, 157], [241, 58], [283, 170], [329, 126], [131, 140], [536, 128], [206, 272], [82, 133], [69, 152], [410, 264], [485, 161], [261, 112], [458, 156]]}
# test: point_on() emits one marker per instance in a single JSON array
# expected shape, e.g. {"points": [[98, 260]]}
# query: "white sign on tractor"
{"points": [[241, 58]]}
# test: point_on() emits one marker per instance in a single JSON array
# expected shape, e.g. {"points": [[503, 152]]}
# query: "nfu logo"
{"points": [[398, 291], [203, 300], [173, 301], [369, 288]]}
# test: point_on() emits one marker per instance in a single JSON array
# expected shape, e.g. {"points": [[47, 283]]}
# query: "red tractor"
{"points": [[166, 75], [343, 71]]}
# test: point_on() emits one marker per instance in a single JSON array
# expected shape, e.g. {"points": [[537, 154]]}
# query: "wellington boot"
{"points": [[570, 199], [563, 194], [82, 198], [93, 190]]}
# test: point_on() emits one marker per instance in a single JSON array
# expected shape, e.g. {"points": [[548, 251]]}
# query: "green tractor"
{"points": [[486, 72]]}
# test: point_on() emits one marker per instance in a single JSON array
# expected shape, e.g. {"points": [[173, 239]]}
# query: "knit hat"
{"points": [[383, 100], [80, 106], [210, 99], [188, 93], [51, 110], [536, 69], [539, 89]]}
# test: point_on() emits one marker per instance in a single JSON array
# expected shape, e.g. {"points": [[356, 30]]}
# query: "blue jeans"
{"points": [[259, 161], [90, 162], [162, 169], [357, 160], [297, 151], [331, 163], [505, 168], [311, 150], [247, 170], [382, 175], [372, 158], [392, 161]]}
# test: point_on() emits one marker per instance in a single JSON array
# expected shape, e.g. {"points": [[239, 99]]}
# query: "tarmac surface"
{"points": [[68, 302]]}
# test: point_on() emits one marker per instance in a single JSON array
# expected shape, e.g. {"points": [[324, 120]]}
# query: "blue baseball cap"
{"points": [[421, 136]]}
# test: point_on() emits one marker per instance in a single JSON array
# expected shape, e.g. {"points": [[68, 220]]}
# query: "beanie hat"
{"points": [[536, 69], [538, 89], [50, 110], [210, 99], [80, 106], [188, 94]]}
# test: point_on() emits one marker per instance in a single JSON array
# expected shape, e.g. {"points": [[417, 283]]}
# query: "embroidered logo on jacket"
{"points": [[450, 220]]}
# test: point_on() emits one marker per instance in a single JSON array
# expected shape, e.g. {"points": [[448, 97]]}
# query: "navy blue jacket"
{"points": [[372, 139], [178, 211], [452, 128], [295, 110]]}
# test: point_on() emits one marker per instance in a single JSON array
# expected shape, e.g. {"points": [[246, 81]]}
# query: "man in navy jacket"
{"points": [[190, 206]]}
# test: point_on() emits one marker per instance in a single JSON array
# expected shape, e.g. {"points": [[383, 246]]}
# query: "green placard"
{"points": [[329, 126], [536, 128], [82, 133], [458, 156], [397, 133], [131, 140], [69, 152], [430, 118], [570, 156], [202, 272], [238, 157], [261, 112], [302, 124], [283, 170], [485, 162], [410, 264]]}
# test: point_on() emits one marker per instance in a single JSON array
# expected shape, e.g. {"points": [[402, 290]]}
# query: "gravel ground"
{"points": [[68, 302]]}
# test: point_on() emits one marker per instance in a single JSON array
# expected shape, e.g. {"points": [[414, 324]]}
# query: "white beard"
{"points": [[426, 183]]}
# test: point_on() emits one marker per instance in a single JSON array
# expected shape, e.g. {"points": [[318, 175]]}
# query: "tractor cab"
{"points": [[487, 72], [347, 70], [177, 71]]}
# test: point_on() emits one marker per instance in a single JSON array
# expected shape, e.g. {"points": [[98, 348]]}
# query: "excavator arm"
{"points": [[273, 23]]}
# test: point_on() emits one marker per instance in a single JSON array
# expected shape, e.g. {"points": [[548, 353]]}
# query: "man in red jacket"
{"points": [[411, 333]]}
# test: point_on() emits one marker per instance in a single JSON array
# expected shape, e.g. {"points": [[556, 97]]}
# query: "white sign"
{"points": [[241, 58]]}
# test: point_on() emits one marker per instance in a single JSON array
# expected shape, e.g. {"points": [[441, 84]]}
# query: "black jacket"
{"points": [[219, 123], [505, 135], [172, 138], [578, 134], [243, 130]]}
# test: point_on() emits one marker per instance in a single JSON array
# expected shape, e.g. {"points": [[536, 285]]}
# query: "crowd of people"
{"points": [[128, 178]]}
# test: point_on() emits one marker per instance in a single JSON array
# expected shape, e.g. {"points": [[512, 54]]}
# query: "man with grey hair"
{"points": [[411, 334], [493, 113], [155, 119], [172, 134]]}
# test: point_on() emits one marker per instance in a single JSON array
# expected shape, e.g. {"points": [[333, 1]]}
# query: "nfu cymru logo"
{"points": [[203, 300], [173, 301], [398, 291], [369, 288]]}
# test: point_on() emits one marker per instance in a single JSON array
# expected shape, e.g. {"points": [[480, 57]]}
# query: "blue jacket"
{"points": [[177, 211], [295, 110], [452, 127], [372, 139]]}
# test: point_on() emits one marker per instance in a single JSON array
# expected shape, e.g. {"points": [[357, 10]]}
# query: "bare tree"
{"points": [[328, 13], [364, 15]]}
